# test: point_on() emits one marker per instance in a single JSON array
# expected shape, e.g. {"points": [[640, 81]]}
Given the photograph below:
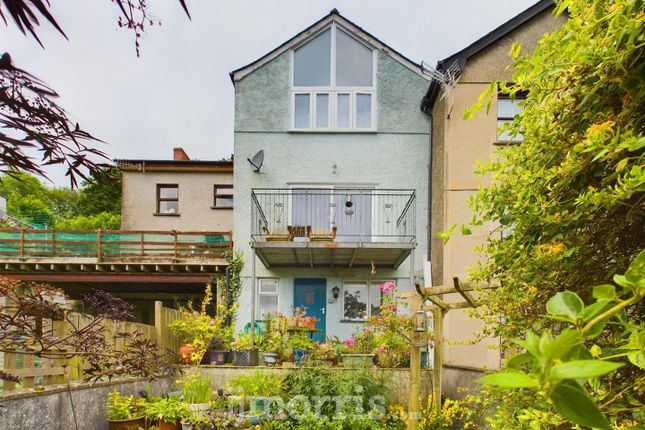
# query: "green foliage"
{"points": [[101, 194], [197, 328], [96, 205], [230, 292], [169, 409], [120, 407], [104, 221], [315, 380], [256, 384], [195, 388], [300, 340], [562, 367], [571, 195], [569, 199]]}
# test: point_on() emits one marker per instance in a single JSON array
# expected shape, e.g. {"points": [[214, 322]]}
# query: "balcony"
{"points": [[339, 227], [33, 250]]}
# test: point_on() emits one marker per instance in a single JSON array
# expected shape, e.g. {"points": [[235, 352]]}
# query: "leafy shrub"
{"points": [[120, 407], [195, 388], [256, 383], [169, 409]]}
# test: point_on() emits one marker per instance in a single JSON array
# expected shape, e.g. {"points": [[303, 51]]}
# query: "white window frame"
{"points": [[332, 90], [260, 293], [369, 283], [499, 139]]}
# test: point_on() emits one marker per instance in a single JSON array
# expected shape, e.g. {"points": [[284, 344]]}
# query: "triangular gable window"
{"points": [[333, 86]]}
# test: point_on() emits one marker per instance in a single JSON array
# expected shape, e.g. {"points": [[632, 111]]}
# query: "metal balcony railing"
{"points": [[333, 215]]}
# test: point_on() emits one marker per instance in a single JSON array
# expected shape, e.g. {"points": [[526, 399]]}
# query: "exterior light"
{"points": [[335, 292], [420, 322], [348, 205]]}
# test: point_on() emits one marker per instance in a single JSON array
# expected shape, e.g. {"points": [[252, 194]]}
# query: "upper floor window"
{"points": [[167, 199], [507, 109], [333, 86], [223, 196]]}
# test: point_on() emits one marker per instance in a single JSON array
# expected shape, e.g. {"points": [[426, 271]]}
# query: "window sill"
{"points": [[220, 207], [158, 214], [334, 131], [352, 321]]}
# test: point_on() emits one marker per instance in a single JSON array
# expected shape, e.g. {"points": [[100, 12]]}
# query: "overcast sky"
{"points": [[178, 93]]}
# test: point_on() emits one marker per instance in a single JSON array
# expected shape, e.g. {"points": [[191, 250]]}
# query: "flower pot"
{"points": [[164, 425], [186, 426], [300, 356], [198, 409], [253, 418], [217, 358], [358, 360], [269, 359], [185, 353], [247, 357], [129, 424]]}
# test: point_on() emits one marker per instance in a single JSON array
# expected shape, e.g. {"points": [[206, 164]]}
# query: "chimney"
{"points": [[178, 154]]}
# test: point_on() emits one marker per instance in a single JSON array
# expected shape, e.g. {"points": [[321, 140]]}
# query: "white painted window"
{"points": [[507, 109], [333, 86], [267, 298], [361, 299]]}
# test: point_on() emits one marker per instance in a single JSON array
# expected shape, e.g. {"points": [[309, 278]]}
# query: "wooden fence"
{"points": [[48, 371]]}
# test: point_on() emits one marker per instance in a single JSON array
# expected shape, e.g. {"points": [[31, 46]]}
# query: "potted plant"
{"points": [[257, 389], [195, 330], [273, 344], [326, 352], [243, 354], [219, 349], [167, 413], [125, 412], [196, 393], [358, 350], [301, 345]]}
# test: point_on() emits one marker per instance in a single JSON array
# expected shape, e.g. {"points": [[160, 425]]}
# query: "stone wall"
{"points": [[52, 410]]}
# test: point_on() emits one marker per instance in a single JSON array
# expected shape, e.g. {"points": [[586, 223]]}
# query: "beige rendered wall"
{"points": [[458, 145], [139, 193]]}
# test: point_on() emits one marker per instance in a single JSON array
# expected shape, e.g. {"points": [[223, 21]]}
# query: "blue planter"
{"points": [[300, 356]]}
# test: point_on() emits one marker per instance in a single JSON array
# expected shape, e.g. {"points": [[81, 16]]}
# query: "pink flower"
{"points": [[350, 341], [387, 287], [367, 330], [381, 348]]}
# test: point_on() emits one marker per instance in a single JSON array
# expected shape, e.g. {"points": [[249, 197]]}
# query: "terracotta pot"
{"points": [[185, 353], [129, 424], [163, 425]]}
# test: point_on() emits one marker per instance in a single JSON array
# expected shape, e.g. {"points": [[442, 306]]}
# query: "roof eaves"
{"points": [[358, 31], [462, 56]]}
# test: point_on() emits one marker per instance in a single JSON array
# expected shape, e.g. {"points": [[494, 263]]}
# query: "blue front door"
{"points": [[311, 295]]}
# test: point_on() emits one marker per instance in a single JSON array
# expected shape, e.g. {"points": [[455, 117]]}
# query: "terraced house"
{"points": [[331, 175]]}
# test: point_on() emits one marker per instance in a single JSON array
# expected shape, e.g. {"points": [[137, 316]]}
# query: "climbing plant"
{"points": [[570, 198]]}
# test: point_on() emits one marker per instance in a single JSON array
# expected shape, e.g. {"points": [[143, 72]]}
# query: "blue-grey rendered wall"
{"points": [[396, 156]]}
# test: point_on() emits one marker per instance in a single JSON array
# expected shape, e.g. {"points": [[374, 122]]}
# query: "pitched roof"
{"points": [[333, 16], [141, 165], [457, 61]]}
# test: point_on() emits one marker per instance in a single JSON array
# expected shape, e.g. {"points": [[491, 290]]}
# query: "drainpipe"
{"points": [[253, 281]]}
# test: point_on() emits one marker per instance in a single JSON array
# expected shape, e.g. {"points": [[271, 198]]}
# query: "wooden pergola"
{"points": [[417, 301]]}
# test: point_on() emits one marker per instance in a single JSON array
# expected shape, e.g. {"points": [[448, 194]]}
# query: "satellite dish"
{"points": [[257, 160]]}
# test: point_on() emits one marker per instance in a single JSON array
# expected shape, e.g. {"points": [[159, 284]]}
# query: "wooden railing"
{"points": [[48, 371], [112, 244]]}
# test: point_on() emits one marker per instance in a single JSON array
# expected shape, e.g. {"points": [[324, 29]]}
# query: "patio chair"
{"points": [[323, 235], [277, 235]]}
